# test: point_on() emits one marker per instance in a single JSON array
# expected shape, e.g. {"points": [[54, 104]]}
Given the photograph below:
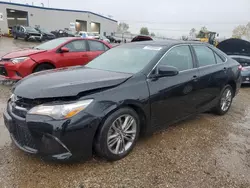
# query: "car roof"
{"points": [[80, 38], [168, 42]]}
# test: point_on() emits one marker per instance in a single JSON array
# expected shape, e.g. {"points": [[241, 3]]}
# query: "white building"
{"points": [[54, 19]]}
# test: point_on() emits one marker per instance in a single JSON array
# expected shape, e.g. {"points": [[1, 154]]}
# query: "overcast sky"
{"points": [[170, 18]]}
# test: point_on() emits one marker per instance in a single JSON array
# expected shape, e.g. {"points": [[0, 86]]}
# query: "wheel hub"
{"points": [[121, 134]]}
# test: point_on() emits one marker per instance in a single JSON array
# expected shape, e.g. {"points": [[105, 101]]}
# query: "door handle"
{"points": [[84, 55], [195, 78]]}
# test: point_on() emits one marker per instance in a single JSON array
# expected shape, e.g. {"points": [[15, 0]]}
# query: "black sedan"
{"points": [[46, 35], [128, 91]]}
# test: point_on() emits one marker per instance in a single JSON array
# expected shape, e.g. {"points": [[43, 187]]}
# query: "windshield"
{"points": [[51, 44], [30, 29], [125, 58], [43, 30]]}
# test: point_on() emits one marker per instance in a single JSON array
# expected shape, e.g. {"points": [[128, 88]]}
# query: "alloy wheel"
{"points": [[226, 100], [122, 134]]}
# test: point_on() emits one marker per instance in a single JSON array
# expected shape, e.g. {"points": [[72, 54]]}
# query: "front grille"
{"points": [[23, 137], [3, 71]]}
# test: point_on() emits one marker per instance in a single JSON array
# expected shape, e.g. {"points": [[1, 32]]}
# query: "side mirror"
{"points": [[164, 71], [64, 50]]}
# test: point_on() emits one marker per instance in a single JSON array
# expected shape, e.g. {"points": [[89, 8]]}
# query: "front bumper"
{"points": [[10, 71], [69, 139], [35, 37]]}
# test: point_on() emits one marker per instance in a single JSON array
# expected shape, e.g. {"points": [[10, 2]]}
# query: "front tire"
{"points": [[225, 101], [43, 67], [118, 134]]}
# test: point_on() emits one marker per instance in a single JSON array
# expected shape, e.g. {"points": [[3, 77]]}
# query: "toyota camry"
{"points": [[128, 91]]}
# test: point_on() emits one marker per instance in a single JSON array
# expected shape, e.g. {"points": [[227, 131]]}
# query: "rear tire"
{"points": [[43, 67], [225, 101], [118, 134]]}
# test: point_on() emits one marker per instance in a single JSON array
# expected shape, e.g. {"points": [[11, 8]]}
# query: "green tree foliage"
{"points": [[202, 32], [123, 27], [144, 31]]}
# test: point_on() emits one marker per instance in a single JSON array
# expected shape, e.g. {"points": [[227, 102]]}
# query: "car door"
{"points": [[17, 31], [77, 55], [213, 75], [96, 48], [22, 32], [174, 98]]}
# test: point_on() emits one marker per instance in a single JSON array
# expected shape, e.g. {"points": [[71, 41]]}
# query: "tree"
{"points": [[239, 31], [192, 33], [144, 31], [242, 31], [152, 34], [123, 27], [202, 32]]}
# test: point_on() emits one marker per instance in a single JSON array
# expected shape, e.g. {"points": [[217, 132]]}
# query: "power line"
{"points": [[185, 30], [197, 22]]}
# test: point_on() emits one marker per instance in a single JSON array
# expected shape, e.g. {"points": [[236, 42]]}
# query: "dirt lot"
{"points": [[205, 151]]}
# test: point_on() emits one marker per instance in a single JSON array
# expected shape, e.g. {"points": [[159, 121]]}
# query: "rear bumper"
{"points": [[245, 78]]}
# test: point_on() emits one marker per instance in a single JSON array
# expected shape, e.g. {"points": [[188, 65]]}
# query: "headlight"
{"points": [[62, 111], [19, 60]]}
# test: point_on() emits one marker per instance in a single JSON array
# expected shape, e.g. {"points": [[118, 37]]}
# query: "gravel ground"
{"points": [[205, 151]]}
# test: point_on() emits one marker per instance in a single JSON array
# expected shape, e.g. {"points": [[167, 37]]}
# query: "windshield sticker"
{"points": [[152, 48]]}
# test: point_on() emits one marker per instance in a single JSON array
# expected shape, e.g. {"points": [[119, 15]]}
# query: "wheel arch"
{"points": [[42, 63], [233, 85], [132, 105]]}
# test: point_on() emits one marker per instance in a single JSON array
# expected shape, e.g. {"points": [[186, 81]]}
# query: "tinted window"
{"points": [[179, 57], [96, 46], [204, 55], [128, 59], [218, 58], [77, 46], [21, 29]]}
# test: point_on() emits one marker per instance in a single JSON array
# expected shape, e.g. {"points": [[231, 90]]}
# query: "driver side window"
{"points": [[77, 46], [179, 57]]}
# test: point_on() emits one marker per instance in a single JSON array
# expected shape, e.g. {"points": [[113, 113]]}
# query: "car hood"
{"points": [[67, 82], [235, 47], [22, 53], [48, 33]]}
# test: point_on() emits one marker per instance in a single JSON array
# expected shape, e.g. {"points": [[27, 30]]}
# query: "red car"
{"points": [[61, 52]]}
